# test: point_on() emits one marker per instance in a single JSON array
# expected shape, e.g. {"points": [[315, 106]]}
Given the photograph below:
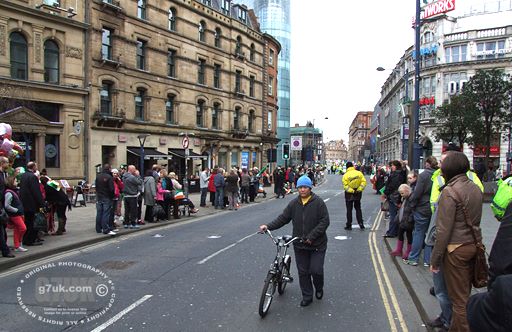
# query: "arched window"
{"points": [[140, 97], [106, 98], [169, 110], [202, 31], [238, 47], [200, 113], [218, 35], [215, 116], [19, 56], [252, 56], [51, 62], [236, 118], [172, 19]]}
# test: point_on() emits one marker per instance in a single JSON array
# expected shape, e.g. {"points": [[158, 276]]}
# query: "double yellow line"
{"points": [[386, 290]]}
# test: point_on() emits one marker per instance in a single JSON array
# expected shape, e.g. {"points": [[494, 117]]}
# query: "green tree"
{"points": [[455, 120], [488, 93]]}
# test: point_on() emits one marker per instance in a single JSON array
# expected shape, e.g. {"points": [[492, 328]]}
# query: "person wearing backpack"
{"points": [[354, 184]]}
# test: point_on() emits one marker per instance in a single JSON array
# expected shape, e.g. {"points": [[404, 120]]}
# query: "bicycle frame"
{"points": [[278, 275]]}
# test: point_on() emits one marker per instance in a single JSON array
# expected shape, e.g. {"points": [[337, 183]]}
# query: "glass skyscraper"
{"points": [[274, 19]]}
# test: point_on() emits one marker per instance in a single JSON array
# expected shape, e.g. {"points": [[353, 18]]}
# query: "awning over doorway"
{"points": [[180, 153], [149, 153]]}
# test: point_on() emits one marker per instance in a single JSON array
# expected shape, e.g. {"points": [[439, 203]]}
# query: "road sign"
{"points": [[185, 142]]}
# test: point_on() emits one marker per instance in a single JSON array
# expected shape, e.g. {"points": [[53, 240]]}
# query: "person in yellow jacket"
{"points": [[354, 183]]}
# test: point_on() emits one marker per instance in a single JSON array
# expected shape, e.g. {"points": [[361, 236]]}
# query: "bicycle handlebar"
{"points": [[276, 242]]}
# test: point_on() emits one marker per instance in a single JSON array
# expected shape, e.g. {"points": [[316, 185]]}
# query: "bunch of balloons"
{"points": [[8, 147]]}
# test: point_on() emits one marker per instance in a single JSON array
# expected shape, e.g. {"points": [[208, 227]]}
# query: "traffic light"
{"points": [[286, 151]]}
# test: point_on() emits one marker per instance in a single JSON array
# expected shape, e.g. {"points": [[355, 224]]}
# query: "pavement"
{"points": [[418, 279], [80, 230]]}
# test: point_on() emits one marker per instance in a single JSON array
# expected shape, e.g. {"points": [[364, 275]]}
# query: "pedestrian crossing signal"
{"points": [[286, 151]]}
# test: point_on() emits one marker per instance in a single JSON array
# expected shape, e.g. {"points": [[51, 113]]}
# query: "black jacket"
{"points": [[105, 186], [420, 197], [394, 181], [500, 258], [30, 192], [309, 221], [492, 311]]}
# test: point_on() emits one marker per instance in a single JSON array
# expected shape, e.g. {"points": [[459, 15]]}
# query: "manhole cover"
{"points": [[115, 265]]}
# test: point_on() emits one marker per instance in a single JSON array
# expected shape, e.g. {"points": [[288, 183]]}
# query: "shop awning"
{"points": [[149, 153], [180, 153]]}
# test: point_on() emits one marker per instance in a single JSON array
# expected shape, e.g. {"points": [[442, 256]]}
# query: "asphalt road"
{"points": [[207, 275]]}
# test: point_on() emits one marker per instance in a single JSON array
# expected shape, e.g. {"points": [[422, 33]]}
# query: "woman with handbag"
{"points": [[14, 209], [458, 234]]}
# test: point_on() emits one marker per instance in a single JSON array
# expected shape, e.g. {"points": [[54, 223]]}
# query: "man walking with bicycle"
{"points": [[310, 220]]}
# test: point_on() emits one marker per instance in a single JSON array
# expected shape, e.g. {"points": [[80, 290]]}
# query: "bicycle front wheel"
{"points": [[283, 281], [267, 294]]}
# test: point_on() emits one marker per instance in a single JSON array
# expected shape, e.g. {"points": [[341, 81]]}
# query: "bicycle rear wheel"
{"points": [[269, 288], [285, 271]]}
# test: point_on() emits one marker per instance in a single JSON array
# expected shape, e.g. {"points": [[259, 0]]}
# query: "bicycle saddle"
{"points": [[287, 238]]}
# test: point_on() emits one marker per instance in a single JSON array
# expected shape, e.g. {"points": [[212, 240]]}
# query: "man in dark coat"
{"points": [[492, 310], [32, 200], [105, 193], [310, 219]]}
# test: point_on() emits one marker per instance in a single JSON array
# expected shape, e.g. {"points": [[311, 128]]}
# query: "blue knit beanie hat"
{"points": [[304, 181]]}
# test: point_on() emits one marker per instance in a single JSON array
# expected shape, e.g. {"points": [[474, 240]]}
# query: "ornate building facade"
{"points": [[200, 69], [42, 82], [359, 135], [97, 83]]}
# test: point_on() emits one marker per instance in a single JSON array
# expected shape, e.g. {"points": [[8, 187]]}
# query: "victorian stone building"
{"points": [[89, 82], [452, 49], [42, 82], [173, 69], [335, 150], [359, 135]]}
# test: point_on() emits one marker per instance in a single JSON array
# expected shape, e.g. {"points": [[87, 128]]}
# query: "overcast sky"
{"points": [[336, 48]]}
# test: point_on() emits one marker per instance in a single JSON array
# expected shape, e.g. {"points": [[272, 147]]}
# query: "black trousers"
{"points": [[31, 234], [130, 211], [310, 265], [359, 214], [3, 241]]}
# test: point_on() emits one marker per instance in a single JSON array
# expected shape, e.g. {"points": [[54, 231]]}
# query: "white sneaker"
{"points": [[115, 230], [111, 233], [20, 249]]}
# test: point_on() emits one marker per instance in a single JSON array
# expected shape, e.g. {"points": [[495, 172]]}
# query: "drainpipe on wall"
{"points": [[87, 85]]}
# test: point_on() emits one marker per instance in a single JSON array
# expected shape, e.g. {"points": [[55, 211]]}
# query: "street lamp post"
{"points": [[142, 141], [416, 116], [185, 144], [315, 154]]}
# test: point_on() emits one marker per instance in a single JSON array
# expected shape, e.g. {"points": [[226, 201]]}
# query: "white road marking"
{"points": [[122, 313], [341, 237], [327, 199], [337, 194], [214, 237], [224, 249]]}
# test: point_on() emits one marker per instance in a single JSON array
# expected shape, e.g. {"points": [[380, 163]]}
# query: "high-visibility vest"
{"points": [[502, 198], [438, 182]]}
